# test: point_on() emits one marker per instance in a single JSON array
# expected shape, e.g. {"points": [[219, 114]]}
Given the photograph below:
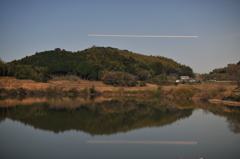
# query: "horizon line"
{"points": [[144, 36]]}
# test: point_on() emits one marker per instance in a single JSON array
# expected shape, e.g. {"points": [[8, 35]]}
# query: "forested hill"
{"points": [[230, 72], [93, 63]]}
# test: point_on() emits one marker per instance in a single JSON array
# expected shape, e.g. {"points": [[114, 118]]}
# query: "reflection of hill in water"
{"points": [[232, 115], [105, 117]]}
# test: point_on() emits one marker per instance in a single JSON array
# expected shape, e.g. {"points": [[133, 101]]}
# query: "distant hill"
{"points": [[230, 72], [93, 63]]}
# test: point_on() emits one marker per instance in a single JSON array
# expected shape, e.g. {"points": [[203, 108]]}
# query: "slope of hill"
{"points": [[230, 72], [96, 63]]}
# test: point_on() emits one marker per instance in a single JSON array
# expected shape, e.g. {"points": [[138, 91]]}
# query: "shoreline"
{"points": [[225, 102], [214, 92]]}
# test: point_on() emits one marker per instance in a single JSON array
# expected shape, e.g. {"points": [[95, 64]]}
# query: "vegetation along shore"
{"points": [[110, 71], [204, 91]]}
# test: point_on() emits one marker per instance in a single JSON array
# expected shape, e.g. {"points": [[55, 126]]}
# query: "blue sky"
{"points": [[29, 26]]}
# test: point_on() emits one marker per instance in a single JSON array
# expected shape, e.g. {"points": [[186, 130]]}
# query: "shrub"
{"points": [[234, 97], [144, 75], [142, 84], [170, 92], [119, 79], [214, 92], [162, 77], [93, 90], [161, 82], [130, 80], [222, 89], [159, 91]]}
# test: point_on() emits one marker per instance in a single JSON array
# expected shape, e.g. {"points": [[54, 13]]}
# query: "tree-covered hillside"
{"points": [[111, 65], [230, 72]]}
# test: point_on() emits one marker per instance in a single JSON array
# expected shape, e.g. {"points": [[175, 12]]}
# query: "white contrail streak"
{"points": [[144, 36], [141, 142]]}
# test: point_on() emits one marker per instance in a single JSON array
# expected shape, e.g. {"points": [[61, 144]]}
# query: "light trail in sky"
{"points": [[144, 36], [141, 142]]}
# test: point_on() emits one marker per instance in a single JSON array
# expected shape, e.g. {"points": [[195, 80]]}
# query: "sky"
{"points": [[30, 26]]}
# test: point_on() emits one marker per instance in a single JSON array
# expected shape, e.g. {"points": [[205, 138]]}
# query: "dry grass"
{"points": [[185, 91], [12, 83], [224, 102], [209, 90], [214, 90]]}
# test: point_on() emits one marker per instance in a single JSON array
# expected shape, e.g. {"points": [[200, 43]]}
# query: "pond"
{"points": [[117, 128]]}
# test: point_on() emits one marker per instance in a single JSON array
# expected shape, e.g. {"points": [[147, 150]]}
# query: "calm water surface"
{"points": [[129, 128]]}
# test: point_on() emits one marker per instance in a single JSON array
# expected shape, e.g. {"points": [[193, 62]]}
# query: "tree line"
{"points": [[230, 72]]}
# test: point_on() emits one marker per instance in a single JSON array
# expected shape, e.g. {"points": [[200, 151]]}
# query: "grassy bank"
{"points": [[50, 91], [72, 87], [180, 92]]}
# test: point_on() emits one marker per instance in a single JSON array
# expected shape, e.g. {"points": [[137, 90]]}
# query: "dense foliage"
{"points": [[119, 79], [95, 63], [230, 72]]}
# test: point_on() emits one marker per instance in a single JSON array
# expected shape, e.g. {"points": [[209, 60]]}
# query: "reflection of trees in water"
{"points": [[232, 115], [234, 126], [234, 122], [2, 118], [184, 104], [107, 117], [111, 116]]}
